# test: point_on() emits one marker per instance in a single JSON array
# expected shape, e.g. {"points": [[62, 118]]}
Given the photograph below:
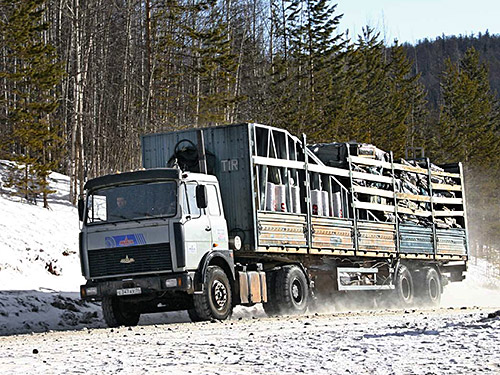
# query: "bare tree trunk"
{"points": [[127, 143], [77, 133], [5, 89], [271, 36], [149, 63], [198, 90], [228, 108], [285, 36], [238, 77]]}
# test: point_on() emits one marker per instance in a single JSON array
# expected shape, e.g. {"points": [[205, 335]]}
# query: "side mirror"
{"points": [[81, 207], [201, 196]]}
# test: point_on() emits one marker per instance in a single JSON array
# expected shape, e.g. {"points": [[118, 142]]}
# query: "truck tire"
{"points": [[116, 313], [428, 287], [292, 290], [216, 300], [271, 307], [193, 315], [404, 288]]}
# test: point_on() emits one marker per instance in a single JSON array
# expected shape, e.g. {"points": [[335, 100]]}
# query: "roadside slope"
{"points": [[39, 263]]}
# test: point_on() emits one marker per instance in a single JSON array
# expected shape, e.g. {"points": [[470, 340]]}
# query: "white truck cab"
{"points": [[149, 239]]}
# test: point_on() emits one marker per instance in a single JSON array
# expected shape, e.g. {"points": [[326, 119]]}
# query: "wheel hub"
{"points": [[296, 291], [220, 294], [405, 288], [433, 289]]}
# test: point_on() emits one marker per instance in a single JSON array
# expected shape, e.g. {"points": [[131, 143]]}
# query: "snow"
{"points": [[40, 278], [34, 240]]}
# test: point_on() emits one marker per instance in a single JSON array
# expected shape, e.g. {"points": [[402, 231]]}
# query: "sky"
{"points": [[413, 20]]}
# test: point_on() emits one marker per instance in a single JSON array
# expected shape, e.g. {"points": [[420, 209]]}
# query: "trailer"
{"points": [[258, 216]]}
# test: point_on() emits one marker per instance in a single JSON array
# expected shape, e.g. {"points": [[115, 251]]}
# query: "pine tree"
{"points": [[285, 97], [365, 94], [196, 67], [469, 131], [171, 33], [345, 99], [406, 103], [377, 98], [304, 67], [469, 117], [216, 68], [374, 88], [33, 73], [324, 53]]}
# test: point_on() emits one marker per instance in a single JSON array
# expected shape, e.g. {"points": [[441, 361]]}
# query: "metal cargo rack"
{"points": [[281, 198]]}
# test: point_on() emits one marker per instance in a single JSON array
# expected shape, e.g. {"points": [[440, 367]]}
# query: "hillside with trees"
{"points": [[429, 57], [81, 81]]}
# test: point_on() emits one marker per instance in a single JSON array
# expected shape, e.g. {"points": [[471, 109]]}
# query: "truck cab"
{"points": [[148, 242]]}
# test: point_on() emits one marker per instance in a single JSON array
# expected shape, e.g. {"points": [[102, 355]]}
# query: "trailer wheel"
{"points": [[117, 314], [216, 300], [271, 307], [292, 291], [405, 290], [429, 288]]}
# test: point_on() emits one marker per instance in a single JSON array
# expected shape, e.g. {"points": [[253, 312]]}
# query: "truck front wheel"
{"points": [[216, 300], [116, 313], [193, 315], [292, 291]]}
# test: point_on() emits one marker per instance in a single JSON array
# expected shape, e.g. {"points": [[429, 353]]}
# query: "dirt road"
{"points": [[442, 341]]}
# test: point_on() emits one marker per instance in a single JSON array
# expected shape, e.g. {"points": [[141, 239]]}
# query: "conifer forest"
{"points": [[82, 80]]}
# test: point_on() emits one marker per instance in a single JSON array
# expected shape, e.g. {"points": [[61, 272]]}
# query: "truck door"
{"points": [[197, 229], [217, 220]]}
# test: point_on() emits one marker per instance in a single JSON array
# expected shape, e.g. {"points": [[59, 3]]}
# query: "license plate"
{"points": [[128, 291]]}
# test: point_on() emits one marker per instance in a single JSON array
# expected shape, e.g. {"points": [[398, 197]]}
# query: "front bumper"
{"points": [[153, 285]]}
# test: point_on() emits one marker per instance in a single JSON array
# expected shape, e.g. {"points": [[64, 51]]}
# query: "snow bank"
{"points": [[39, 247], [39, 263]]}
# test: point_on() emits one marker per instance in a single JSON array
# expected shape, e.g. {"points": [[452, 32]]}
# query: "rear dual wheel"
{"points": [[271, 307], [288, 291], [429, 287], [419, 287], [404, 287]]}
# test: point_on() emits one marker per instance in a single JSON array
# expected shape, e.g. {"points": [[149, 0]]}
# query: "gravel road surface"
{"points": [[440, 341]]}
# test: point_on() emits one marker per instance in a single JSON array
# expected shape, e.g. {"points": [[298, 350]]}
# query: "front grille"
{"points": [[118, 261]]}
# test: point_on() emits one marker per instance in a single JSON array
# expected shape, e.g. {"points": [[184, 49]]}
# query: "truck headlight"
{"points": [[170, 283], [86, 292]]}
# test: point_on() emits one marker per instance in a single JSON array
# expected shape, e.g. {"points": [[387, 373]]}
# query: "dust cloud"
{"points": [[469, 294]]}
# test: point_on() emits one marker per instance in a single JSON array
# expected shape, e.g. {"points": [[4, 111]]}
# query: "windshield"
{"points": [[131, 202]]}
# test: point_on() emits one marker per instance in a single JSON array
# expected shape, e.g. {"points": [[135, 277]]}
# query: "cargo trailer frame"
{"points": [[368, 220]]}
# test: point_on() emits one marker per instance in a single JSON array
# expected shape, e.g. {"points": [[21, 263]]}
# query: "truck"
{"points": [[250, 214]]}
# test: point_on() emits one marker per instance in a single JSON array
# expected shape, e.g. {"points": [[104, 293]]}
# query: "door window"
{"points": [[213, 201], [189, 205]]}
